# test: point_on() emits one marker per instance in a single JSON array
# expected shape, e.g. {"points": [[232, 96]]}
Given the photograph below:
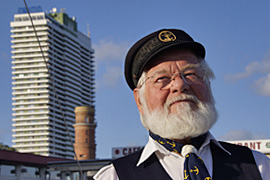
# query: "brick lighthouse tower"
{"points": [[85, 146]]}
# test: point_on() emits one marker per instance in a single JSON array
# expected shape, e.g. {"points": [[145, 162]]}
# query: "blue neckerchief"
{"points": [[194, 168], [175, 146]]}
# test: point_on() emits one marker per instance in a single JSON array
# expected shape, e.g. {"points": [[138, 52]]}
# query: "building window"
{"points": [[7, 170], [86, 119]]}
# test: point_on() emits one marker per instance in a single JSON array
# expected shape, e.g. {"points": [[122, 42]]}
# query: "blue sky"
{"points": [[236, 35]]}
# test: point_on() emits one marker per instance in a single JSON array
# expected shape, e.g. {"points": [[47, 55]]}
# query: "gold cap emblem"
{"points": [[166, 36]]}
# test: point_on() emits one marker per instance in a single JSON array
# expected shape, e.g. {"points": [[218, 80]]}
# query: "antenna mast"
{"points": [[88, 31]]}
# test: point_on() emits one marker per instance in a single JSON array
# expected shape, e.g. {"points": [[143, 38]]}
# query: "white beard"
{"points": [[186, 123]]}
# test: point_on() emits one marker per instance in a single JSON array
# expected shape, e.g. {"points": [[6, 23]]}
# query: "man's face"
{"points": [[171, 62], [176, 109]]}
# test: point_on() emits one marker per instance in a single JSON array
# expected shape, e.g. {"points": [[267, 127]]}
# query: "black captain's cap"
{"points": [[143, 50]]}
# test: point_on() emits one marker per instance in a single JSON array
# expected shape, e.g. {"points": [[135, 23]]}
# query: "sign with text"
{"points": [[258, 145], [123, 151]]}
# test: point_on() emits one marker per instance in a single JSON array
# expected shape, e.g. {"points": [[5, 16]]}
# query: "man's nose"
{"points": [[179, 84]]}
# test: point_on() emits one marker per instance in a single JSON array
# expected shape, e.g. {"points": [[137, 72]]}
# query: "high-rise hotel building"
{"points": [[38, 122]]}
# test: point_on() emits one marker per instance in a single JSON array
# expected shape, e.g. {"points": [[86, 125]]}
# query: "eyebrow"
{"points": [[185, 67], [189, 66], [160, 71]]}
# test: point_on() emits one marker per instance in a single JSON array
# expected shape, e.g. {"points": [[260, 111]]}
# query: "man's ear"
{"points": [[137, 100]]}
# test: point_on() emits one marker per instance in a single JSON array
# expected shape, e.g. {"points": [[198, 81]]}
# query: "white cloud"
{"points": [[111, 76], [109, 57], [107, 50], [255, 67], [262, 86], [241, 135]]}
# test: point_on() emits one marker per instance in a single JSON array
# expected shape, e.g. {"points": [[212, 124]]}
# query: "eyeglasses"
{"points": [[162, 79]]}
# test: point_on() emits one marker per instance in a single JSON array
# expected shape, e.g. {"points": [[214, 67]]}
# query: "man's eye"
{"points": [[163, 79], [190, 75]]}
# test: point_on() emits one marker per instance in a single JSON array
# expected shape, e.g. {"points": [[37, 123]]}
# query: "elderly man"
{"points": [[171, 84]]}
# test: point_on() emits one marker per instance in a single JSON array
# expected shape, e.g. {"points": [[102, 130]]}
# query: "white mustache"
{"points": [[183, 97]]}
